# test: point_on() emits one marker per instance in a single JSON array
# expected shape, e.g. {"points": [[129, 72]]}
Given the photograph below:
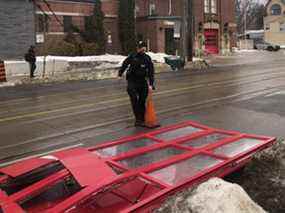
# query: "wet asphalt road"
{"points": [[244, 92]]}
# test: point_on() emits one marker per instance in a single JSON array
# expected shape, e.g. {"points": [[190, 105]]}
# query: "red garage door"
{"points": [[212, 41]]}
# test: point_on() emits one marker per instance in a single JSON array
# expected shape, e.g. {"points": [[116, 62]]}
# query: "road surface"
{"points": [[244, 92]]}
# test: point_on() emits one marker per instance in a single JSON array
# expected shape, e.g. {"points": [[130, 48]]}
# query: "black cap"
{"points": [[141, 44]]}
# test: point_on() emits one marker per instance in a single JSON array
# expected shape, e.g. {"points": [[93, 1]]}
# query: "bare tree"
{"points": [[249, 15]]}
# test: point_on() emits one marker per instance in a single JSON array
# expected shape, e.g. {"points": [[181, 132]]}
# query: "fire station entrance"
{"points": [[212, 41]]}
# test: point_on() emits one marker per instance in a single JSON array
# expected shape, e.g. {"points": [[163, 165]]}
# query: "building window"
{"points": [[282, 27], [42, 23], [152, 9], [87, 22], [207, 6], [67, 23], [267, 27], [170, 7], [275, 9], [137, 10], [214, 6]]}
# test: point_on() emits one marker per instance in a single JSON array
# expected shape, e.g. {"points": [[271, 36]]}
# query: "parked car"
{"points": [[267, 46]]}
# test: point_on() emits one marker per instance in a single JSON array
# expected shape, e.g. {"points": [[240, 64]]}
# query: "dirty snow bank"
{"points": [[214, 196], [113, 60], [7, 84], [245, 50], [264, 178]]}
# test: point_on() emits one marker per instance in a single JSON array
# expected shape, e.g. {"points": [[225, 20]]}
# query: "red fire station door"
{"points": [[212, 41]]}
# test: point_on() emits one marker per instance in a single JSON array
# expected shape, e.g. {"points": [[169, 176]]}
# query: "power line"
{"points": [[50, 9], [53, 13]]}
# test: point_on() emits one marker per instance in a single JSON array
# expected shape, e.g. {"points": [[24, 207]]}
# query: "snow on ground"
{"points": [[100, 62], [245, 50], [213, 196], [106, 61], [7, 84], [197, 59], [156, 57], [99, 58]]}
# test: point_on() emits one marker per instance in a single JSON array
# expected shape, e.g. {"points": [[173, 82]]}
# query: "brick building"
{"points": [[159, 21], [64, 13], [17, 28]]}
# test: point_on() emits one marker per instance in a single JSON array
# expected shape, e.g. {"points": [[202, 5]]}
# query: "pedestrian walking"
{"points": [[140, 78], [30, 57]]}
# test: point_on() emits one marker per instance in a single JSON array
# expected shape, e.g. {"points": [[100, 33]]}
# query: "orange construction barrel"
{"points": [[2, 72]]}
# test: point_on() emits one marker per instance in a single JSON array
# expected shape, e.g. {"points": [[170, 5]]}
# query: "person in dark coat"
{"points": [[140, 78], [30, 57]]}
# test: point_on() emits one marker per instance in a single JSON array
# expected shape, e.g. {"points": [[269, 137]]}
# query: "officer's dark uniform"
{"points": [[31, 58], [140, 68]]}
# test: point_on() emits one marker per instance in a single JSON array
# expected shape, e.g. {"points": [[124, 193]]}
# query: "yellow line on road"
{"points": [[84, 105], [42, 113]]}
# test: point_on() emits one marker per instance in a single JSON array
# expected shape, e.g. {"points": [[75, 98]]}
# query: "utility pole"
{"points": [[245, 18], [190, 30], [44, 46], [186, 43]]}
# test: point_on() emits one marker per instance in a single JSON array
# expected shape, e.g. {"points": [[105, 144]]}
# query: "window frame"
{"points": [[41, 20], [273, 11], [152, 9], [214, 6], [207, 6], [282, 27], [67, 26]]}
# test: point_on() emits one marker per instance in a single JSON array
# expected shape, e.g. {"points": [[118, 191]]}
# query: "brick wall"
{"points": [[78, 10], [17, 28], [162, 8], [154, 30]]}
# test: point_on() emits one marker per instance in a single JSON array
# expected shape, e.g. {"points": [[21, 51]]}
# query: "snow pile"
{"points": [[106, 61], [214, 196], [114, 59], [197, 59], [245, 50], [100, 62], [158, 57], [99, 58], [7, 84]]}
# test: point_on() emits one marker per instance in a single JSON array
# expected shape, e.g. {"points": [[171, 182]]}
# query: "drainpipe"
{"points": [[170, 7]]}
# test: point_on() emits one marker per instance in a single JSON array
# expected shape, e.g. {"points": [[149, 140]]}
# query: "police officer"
{"points": [[30, 57], [140, 78]]}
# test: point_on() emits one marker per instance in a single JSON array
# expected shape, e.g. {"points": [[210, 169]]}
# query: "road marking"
{"points": [[108, 86], [109, 102], [73, 131], [215, 100], [129, 116]]}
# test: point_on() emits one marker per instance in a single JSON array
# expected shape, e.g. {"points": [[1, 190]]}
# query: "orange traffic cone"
{"points": [[150, 115]]}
